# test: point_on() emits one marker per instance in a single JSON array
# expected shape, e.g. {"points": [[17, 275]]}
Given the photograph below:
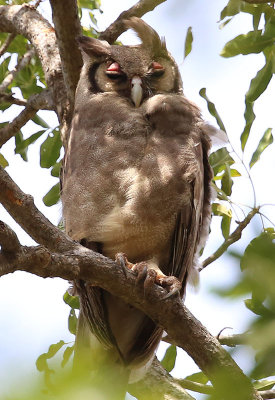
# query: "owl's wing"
{"points": [[193, 219]]}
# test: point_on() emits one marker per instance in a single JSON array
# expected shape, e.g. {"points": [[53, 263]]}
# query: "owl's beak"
{"points": [[136, 90]]}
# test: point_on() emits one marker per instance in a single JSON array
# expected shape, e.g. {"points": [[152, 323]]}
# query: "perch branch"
{"points": [[35, 103], [20, 65], [6, 44], [68, 28], [234, 237], [138, 10], [61, 257], [158, 384]]}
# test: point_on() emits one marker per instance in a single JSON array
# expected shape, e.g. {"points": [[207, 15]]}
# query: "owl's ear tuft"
{"points": [[149, 37], [94, 47]]}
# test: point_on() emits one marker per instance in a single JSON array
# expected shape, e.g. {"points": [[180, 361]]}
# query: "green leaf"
{"points": [[188, 42], [260, 82], [212, 109], [18, 142], [22, 145], [41, 362], [52, 196], [198, 377], [256, 18], [3, 162], [251, 42], [72, 301], [220, 159], [265, 141], [264, 384], [72, 322], [4, 68], [40, 121], [66, 356], [221, 210], [232, 8], [225, 226], [227, 181], [249, 118], [257, 307], [56, 169], [50, 149], [169, 359]]}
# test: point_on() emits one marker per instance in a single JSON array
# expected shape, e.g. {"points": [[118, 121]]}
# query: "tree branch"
{"points": [[26, 21], [69, 260], [158, 384], [267, 394], [138, 10], [8, 98], [234, 340], [6, 44], [67, 28], [234, 237], [20, 65], [35, 103]]}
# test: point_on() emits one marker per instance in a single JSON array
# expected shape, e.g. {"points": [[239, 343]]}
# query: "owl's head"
{"points": [[135, 72]]}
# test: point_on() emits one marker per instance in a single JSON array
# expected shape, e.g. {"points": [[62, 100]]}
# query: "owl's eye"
{"points": [[114, 71], [156, 69]]}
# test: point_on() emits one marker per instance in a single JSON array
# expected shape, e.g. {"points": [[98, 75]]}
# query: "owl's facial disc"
{"points": [[136, 90]]}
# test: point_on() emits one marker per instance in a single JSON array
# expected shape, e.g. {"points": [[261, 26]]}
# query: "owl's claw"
{"points": [[149, 276]]}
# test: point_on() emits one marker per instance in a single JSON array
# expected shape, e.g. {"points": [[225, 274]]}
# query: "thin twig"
{"points": [[234, 237], [138, 10], [6, 44], [8, 98], [35, 103], [20, 65]]}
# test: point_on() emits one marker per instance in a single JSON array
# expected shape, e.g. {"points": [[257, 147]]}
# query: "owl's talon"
{"points": [[172, 284], [141, 270], [123, 262]]}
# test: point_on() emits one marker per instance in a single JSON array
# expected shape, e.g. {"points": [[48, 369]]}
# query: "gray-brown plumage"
{"points": [[136, 181]]}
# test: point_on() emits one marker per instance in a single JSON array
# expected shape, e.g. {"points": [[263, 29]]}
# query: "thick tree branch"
{"points": [[234, 237], [35, 103], [158, 384], [138, 10], [67, 28], [234, 340], [27, 21], [6, 44], [61, 257], [20, 65], [21, 207]]}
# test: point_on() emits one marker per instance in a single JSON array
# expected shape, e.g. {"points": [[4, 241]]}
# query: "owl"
{"points": [[136, 188]]}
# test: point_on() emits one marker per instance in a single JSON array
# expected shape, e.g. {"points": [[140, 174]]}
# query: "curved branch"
{"points": [[26, 21], [20, 65], [35, 103], [6, 44], [234, 237], [67, 28], [138, 10], [69, 260]]}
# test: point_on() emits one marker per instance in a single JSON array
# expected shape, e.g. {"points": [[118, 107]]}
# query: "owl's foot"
{"points": [[150, 276]]}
